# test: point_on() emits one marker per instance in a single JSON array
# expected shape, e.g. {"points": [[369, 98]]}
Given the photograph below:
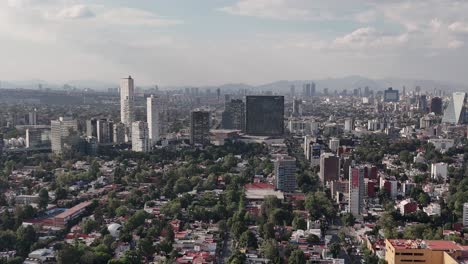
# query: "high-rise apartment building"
{"points": [[140, 137], [265, 115], [127, 98], [119, 133], [200, 127], [329, 167], [285, 174], [37, 137], [63, 133], [233, 116], [356, 191], [153, 118], [297, 109]]}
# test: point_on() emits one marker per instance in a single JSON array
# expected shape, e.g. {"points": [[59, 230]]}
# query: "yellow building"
{"points": [[400, 251]]}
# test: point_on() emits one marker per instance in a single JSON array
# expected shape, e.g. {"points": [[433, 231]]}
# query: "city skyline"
{"points": [[212, 42]]}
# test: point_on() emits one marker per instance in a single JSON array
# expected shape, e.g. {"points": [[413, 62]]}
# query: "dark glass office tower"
{"points": [[265, 115]]}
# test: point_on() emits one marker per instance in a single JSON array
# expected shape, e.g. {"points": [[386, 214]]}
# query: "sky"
{"points": [[211, 42]]}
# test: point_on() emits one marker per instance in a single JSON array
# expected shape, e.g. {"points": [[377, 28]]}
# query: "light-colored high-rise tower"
{"points": [[140, 138], [152, 115], [356, 191], [126, 104], [285, 174], [62, 133]]}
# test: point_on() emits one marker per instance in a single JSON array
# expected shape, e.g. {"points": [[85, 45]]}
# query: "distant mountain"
{"points": [[283, 86]]}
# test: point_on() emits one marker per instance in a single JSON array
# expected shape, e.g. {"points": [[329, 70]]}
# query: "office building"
{"points": [[439, 170], [127, 104], [401, 251], [33, 118], [265, 115], [465, 214], [285, 174], [356, 191], [455, 113], [436, 106], [140, 137], [63, 134], [329, 167], [308, 89], [199, 127], [297, 108], [119, 133], [104, 131], [391, 95], [292, 91], [91, 128], [233, 116], [37, 137], [349, 125], [153, 118], [422, 103]]}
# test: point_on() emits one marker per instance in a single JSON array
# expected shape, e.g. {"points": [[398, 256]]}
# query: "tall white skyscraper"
{"points": [[126, 104], [152, 114], [140, 137]]}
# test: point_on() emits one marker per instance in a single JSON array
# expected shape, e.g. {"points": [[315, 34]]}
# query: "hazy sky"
{"points": [[198, 42]]}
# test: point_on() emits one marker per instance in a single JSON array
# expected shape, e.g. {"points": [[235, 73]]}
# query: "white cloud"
{"points": [[75, 12], [276, 9], [368, 37], [135, 17]]}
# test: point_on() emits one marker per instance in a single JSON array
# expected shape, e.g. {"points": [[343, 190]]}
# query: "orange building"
{"points": [[400, 251]]}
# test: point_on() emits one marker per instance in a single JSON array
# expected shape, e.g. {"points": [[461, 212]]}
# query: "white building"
{"points": [[126, 104], [152, 114], [334, 144], [140, 137], [62, 133], [439, 170], [441, 144], [465, 214], [432, 209]]}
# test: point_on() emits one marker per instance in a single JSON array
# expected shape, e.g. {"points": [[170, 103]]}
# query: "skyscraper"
{"points": [[119, 133], [104, 131], [126, 104], [200, 127], [456, 110], [140, 137], [152, 115], [33, 118], [436, 105], [356, 191], [233, 116], [329, 167], [63, 133], [265, 115], [391, 95], [285, 174], [91, 127], [297, 111]]}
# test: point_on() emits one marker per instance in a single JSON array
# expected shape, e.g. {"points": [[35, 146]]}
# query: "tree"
{"points": [[25, 237], [334, 249], [248, 240], [319, 206], [297, 257], [299, 223], [348, 219], [43, 198], [270, 250], [145, 247], [237, 258], [89, 226]]}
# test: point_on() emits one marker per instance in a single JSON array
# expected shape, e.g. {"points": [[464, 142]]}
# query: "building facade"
{"points": [[356, 191], [199, 127], [233, 116], [265, 115], [285, 174], [127, 98], [152, 115], [140, 137], [329, 167], [63, 132]]}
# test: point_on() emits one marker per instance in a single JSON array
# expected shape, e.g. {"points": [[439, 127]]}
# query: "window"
{"points": [[407, 254], [419, 254]]}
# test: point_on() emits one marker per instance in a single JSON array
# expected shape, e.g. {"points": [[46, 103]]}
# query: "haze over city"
{"points": [[212, 42]]}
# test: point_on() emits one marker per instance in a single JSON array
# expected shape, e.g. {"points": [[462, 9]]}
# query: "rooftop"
{"points": [[429, 244]]}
